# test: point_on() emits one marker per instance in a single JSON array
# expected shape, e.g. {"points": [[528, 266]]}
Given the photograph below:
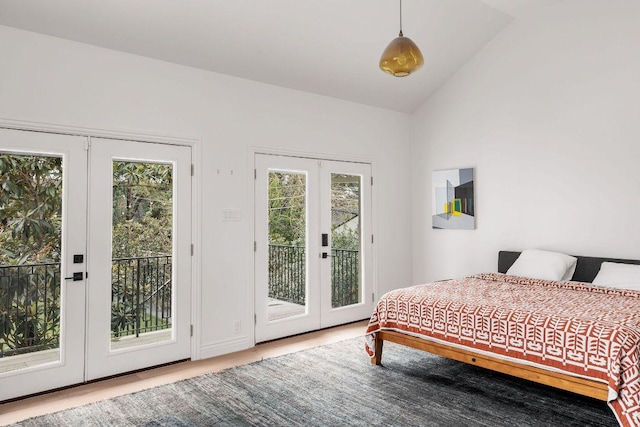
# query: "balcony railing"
{"points": [[30, 302], [29, 308], [287, 275], [345, 277], [140, 295]]}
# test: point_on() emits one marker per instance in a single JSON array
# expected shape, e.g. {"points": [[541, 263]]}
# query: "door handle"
{"points": [[325, 255], [76, 276]]}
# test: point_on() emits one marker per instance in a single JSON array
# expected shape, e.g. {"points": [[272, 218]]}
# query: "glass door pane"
{"points": [[287, 244], [346, 236], [30, 249], [42, 229], [142, 245]]}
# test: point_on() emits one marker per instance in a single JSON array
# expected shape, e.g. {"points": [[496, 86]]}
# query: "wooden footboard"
{"points": [[577, 385]]}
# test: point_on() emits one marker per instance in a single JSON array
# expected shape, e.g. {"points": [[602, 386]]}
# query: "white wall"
{"points": [[548, 114], [44, 79]]}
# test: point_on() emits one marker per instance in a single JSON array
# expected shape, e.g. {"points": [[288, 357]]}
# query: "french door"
{"points": [[313, 263], [95, 258], [42, 225], [139, 256]]}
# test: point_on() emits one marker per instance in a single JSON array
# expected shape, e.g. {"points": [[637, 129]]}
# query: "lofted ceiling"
{"points": [[326, 47]]}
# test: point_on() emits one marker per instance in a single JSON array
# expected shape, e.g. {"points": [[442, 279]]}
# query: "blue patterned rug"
{"points": [[336, 385]]}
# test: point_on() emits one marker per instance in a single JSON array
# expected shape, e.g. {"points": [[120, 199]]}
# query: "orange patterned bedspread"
{"points": [[583, 330]]}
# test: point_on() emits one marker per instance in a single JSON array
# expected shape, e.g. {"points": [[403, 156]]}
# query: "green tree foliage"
{"points": [[30, 209], [142, 209], [287, 208]]}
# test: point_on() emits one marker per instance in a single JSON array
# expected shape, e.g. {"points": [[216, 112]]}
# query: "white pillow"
{"points": [[616, 275], [546, 265]]}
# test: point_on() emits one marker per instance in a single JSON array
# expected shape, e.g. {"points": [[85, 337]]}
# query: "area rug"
{"points": [[336, 385]]}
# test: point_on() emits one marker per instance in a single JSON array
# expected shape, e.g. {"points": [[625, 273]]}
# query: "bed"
{"points": [[588, 344]]}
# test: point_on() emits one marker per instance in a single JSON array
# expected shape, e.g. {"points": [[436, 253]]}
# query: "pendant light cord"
{"points": [[400, 18]]}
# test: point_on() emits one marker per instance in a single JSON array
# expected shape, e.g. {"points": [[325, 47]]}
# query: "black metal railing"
{"points": [[140, 295], [287, 277], [29, 308], [345, 277], [30, 302]]}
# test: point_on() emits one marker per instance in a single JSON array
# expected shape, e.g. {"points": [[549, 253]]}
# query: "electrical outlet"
{"points": [[237, 327]]}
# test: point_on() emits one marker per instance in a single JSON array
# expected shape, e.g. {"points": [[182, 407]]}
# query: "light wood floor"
{"points": [[71, 397]]}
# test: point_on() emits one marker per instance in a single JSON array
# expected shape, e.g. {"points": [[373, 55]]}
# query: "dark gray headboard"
{"points": [[586, 269]]}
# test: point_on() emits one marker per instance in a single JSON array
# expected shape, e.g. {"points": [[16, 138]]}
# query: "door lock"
{"points": [[76, 276]]}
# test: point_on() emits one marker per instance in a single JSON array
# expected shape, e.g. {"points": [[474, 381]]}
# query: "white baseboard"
{"points": [[224, 347]]}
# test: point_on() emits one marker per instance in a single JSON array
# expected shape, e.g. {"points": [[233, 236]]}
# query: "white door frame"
{"points": [[336, 316], [310, 319], [101, 360], [251, 285]]}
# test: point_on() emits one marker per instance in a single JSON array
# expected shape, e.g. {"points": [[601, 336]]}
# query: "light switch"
{"points": [[232, 215]]}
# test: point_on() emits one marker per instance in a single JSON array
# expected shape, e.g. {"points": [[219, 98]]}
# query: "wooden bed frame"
{"points": [[586, 270]]}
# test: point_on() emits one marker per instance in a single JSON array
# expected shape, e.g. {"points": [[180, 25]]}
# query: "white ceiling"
{"points": [[327, 47]]}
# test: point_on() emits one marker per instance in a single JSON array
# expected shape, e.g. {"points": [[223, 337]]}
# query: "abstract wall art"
{"points": [[453, 199]]}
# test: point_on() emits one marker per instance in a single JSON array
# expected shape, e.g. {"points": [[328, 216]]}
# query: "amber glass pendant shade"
{"points": [[401, 57]]}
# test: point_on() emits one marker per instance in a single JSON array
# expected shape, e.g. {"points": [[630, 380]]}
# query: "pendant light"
{"points": [[401, 57]]}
